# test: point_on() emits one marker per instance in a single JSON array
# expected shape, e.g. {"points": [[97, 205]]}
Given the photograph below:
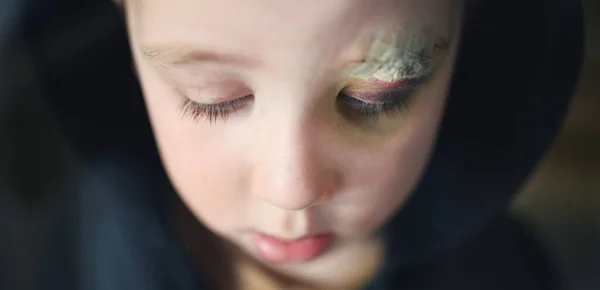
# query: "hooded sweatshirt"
{"points": [[109, 226]]}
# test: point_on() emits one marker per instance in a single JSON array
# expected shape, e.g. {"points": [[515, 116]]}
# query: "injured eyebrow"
{"points": [[392, 57]]}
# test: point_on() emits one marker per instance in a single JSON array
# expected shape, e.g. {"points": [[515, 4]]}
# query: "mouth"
{"points": [[277, 250]]}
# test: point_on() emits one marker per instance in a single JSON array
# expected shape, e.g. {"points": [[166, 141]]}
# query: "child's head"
{"points": [[295, 118]]}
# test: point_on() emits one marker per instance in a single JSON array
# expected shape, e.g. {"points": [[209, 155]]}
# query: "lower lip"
{"points": [[301, 250]]}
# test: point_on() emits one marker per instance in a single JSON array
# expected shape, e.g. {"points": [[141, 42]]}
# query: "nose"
{"points": [[293, 171]]}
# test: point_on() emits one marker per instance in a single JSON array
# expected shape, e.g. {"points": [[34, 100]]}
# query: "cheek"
{"points": [[204, 167], [380, 179]]}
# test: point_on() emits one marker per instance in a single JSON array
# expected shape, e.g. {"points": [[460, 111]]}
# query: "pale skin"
{"points": [[291, 160]]}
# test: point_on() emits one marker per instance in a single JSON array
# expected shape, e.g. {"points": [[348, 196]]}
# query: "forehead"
{"points": [[278, 30]]}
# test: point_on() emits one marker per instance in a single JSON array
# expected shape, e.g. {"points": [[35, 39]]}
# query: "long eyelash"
{"points": [[372, 111], [211, 112]]}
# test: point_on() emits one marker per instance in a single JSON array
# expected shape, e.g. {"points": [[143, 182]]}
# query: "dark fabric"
{"points": [[500, 256], [15, 189], [518, 65]]}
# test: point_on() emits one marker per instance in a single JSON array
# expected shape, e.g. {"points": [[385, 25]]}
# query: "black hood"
{"points": [[518, 65], [517, 69]]}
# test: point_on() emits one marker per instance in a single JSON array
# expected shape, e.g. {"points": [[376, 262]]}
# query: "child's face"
{"points": [[295, 118]]}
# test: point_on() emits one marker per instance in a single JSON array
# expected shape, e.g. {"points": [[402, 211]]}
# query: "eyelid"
{"points": [[207, 86], [373, 90], [215, 92]]}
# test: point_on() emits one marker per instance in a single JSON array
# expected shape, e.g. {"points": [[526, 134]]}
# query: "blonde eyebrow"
{"points": [[173, 56]]}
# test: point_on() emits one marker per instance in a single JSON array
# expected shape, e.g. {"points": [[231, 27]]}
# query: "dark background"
{"points": [[562, 200]]}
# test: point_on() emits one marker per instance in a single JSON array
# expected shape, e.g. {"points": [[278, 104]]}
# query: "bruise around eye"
{"points": [[367, 105], [372, 90]]}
